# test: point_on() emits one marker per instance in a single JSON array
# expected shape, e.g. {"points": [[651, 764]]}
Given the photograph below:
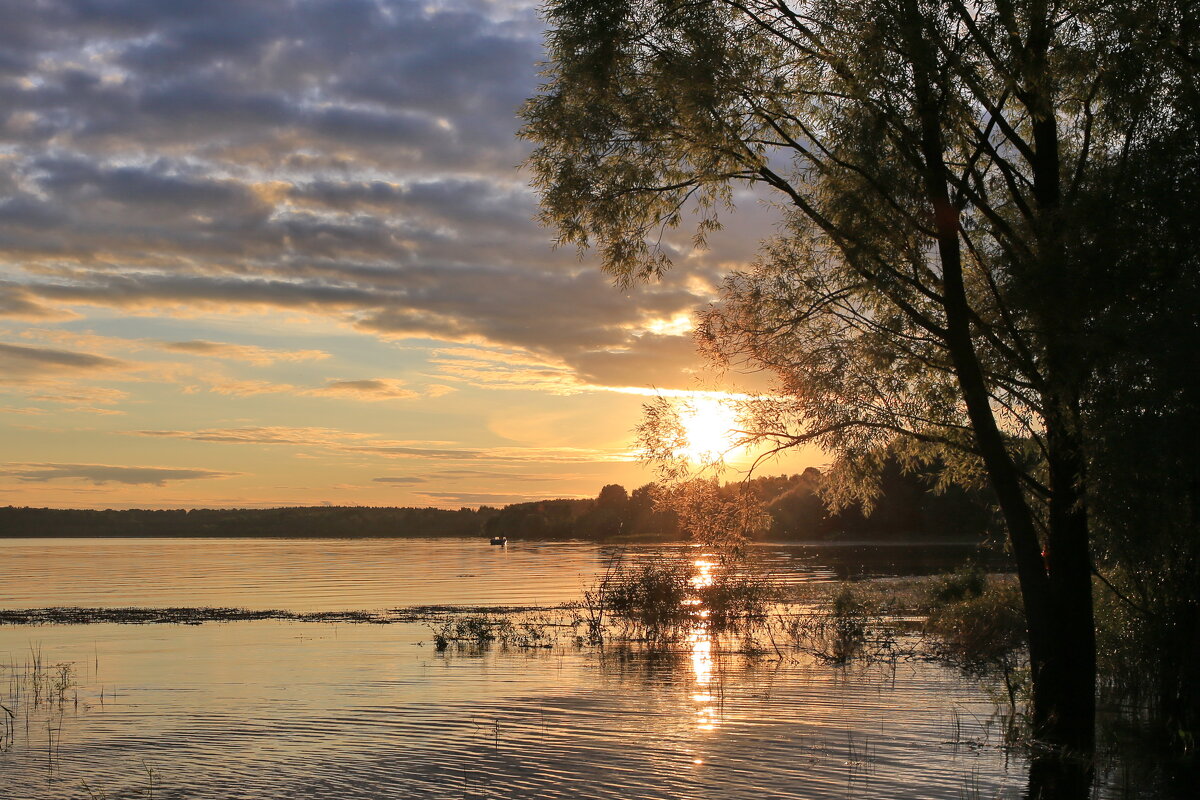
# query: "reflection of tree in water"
{"points": [[1057, 776]]}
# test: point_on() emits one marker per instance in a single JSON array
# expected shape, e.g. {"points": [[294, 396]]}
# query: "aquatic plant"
{"points": [[652, 594], [984, 634], [966, 582], [477, 630], [842, 629], [663, 598]]}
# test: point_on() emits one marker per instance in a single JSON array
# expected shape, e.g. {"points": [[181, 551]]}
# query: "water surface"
{"points": [[290, 709], [369, 574]]}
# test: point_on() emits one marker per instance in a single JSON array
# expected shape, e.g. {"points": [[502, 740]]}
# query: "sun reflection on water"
{"points": [[700, 640], [701, 643]]}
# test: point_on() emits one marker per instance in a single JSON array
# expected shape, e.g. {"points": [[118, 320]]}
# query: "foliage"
{"points": [[477, 631], [904, 510], [843, 630], [844, 626], [725, 521], [1146, 476], [664, 600], [965, 583], [652, 593], [946, 286], [981, 630]]}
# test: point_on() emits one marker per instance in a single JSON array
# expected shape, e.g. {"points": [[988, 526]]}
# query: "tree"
{"points": [[613, 496], [934, 289]]}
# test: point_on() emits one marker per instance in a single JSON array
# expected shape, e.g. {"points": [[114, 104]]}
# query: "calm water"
{"points": [[362, 574], [292, 709]]}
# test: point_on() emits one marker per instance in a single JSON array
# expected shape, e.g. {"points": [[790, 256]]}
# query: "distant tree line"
{"points": [[907, 509], [312, 521]]}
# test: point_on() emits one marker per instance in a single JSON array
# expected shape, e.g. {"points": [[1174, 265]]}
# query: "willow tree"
{"points": [[930, 292]]}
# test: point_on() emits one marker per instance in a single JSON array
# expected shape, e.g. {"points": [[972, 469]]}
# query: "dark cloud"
{"points": [[404, 480], [100, 474], [241, 352], [19, 361], [354, 158], [368, 389], [440, 81], [663, 361], [17, 301], [367, 444]]}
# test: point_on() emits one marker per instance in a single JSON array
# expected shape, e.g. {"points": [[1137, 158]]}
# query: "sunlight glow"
{"points": [[702, 666], [709, 427], [677, 325], [701, 642], [702, 658]]}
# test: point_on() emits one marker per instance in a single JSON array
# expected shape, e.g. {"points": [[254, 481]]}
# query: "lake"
{"points": [[284, 709]]}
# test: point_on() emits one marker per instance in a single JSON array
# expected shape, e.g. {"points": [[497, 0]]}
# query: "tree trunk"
{"points": [[1057, 597], [1057, 601], [1067, 713]]}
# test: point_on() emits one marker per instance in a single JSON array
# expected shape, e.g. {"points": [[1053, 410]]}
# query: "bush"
{"points": [[652, 593], [848, 627], [478, 631], [663, 598], [966, 582], [736, 596], [984, 633]]}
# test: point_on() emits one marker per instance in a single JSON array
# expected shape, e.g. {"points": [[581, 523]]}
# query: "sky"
{"points": [[282, 252]]}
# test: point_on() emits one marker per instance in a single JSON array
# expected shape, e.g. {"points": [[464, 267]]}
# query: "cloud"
{"points": [[401, 480], [164, 160], [367, 390], [514, 455], [74, 394], [408, 450], [370, 390], [18, 362], [248, 388], [259, 356], [497, 368], [272, 435], [101, 474], [18, 302], [372, 445], [487, 498]]}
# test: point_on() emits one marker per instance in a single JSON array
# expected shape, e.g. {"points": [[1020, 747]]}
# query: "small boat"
{"points": [[500, 540]]}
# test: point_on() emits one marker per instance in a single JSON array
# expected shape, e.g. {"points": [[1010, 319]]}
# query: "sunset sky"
{"points": [[281, 253]]}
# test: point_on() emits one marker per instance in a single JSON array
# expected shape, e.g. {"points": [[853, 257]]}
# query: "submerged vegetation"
{"points": [[667, 605], [951, 281], [701, 610]]}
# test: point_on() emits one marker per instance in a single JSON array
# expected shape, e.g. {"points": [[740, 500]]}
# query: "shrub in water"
{"points": [[652, 593], [967, 581], [985, 633]]}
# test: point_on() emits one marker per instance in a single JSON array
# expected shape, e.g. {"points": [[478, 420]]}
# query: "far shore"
{"points": [[899, 540]]}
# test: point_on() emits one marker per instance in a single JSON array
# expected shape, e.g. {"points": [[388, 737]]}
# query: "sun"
{"points": [[709, 429]]}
